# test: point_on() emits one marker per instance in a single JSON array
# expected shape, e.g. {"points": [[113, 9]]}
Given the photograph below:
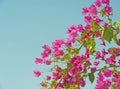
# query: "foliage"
{"points": [[69, 65]]}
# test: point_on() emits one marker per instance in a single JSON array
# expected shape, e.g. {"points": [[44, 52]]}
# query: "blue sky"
{"points": [[26, 25]]}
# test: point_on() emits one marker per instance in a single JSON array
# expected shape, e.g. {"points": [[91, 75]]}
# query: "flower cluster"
{"points": [[69, 66]]}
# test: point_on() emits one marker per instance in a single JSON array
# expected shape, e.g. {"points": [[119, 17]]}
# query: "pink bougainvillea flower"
{"points": [[46, 52], [85, 11], [97, 20], [88, 27], [107, 72], [59, 86], [47, 62], [104, 53], [38, 60], [79, 68], [87, 19], [57, 43], [48, 77], [103, 43], [98, 3], [72, 71], [87, 53], [117, 86], [108, 10], [100, 81], [93, 10], [80, 28], [98, 55], [58, 53], [55, 75], [37, 73], [72, 30], [70, 40], [82, 82], [97, 63], [93, 70], [110, 60], [119, 62], [106, 2]]}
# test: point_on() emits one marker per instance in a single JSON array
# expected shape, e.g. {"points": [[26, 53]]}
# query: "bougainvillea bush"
{"points": [[91, 51]]}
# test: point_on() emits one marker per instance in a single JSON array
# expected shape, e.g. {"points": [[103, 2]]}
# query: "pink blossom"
{"points": [[108, 10], [93, 70], [100, 77], [59, 86], [55, 75], [58, 53], [37, 73], [106, 2], [72, 71], [80, 28], [103, 43], [98, 3], [107, 73], [98, 35], [82, 82], [87, 53], [98, 55], [85, 11], [72, 30], [96, 63], [93, 10], [117, 86], [70, 40], [119, 62], [79, 67], [107, 83], [88, 27], [87, 19], [57, 43], [87, 63], [47, 62], [38, 60], [46, 52], [110, 60], [100, 82], [48, 77], [104, 53], [97, 20]]}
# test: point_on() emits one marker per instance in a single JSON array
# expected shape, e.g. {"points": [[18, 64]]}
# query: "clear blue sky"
{"points": [[25, 25]]}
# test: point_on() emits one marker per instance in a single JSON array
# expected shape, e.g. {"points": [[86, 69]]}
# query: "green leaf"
{"points": [[52, 84], [94, 26], [116, 24], [107, 34], [69, 65], [64, 71], [66, 85], [92, 47], [75, 51], [67, 56], [115, 38], [91, 77], [90, 44], [112, 87]]}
